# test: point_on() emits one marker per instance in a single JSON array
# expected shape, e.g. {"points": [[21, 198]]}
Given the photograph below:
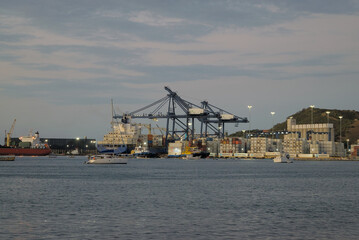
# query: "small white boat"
{"points": [[283, 159], [106, 159], [7, 157]]}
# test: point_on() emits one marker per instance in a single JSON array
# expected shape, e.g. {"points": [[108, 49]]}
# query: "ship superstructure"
{"points": [[127, 137], [122, 139]]}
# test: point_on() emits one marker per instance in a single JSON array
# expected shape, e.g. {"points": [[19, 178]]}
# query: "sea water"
{"points": [[63, 198]]}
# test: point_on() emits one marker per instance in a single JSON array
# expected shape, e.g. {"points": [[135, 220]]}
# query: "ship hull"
{"points": [[114, 150], [25, 151]]}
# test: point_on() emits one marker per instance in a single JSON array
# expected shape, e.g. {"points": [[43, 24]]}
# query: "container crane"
{"points": [[181, 114], [8, 135]]}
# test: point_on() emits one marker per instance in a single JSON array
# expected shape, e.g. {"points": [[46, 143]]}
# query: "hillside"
{"points": [[350, 121]]}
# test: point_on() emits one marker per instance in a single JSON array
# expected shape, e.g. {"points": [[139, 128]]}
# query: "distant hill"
{"points": [[350, 122]]}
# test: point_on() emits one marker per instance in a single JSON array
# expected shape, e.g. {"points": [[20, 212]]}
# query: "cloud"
{"points": [[234, 53], [319, 44], [156, 20]]}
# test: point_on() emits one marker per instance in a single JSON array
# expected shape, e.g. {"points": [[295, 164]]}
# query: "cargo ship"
{"points": [[122, 139], [29, 146], [127, 138]]}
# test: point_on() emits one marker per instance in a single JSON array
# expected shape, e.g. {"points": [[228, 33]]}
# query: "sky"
{"points": [[62, 62]]}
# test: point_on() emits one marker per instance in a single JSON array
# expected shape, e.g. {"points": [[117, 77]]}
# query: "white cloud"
{"points": [[316, 38], [155, 20], [32, 63], [269, 7], [9, 21], [143, 17]]}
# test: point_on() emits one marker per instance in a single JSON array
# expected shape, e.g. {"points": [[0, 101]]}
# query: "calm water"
{"points": [[62, 198]]}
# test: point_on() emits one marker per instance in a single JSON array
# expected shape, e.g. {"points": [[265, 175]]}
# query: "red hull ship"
{"points": [[25, 151], [29, 146]]}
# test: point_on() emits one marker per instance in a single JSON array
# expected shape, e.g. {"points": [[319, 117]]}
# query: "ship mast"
{"points": [[112, 129]]}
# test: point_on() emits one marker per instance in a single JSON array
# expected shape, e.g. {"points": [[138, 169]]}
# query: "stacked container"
{"points": [[339, 149], [314, 147], [259, 145], [150, 140], [355, 151], [294, 145], [213, 147], [230, 146]]}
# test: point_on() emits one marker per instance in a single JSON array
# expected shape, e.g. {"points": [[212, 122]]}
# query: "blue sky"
{"points": [[62, 61]]}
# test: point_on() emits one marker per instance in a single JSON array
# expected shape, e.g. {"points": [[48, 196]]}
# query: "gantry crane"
{"points": [[180, 116], [8, 135]]}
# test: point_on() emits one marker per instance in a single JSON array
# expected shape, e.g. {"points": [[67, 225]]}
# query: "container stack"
{"points": [[150, 140], [158, 140], [339, 149], [355, 151], [259, 145], [230, 146], [142, 140], [294, 145], [175, 149], [213, 148], [319, 136], [314, 147], [225, 148], [275, 145], [326, 147]]}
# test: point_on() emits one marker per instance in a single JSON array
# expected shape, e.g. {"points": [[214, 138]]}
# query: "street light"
{"points": [[312, 107], [347, 146], [272, 124], [327, 112], [340, 130], [249, 109]]}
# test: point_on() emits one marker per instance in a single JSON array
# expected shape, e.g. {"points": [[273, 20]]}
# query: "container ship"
{"points": [[127, 138], [122, 139], [28, 146]]}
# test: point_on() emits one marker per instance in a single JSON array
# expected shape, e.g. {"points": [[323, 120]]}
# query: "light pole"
{"points": [[249, 130], [272, 124], [327, 112], [340, 131], [348, 147], [312, 107], [78, 144]]}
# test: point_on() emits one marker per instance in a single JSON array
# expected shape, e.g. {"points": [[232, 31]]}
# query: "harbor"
{"points": [[179, 120], [179, 139]]}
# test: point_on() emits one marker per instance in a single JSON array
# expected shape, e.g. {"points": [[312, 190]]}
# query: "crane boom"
{"points": [[8, 137]]}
